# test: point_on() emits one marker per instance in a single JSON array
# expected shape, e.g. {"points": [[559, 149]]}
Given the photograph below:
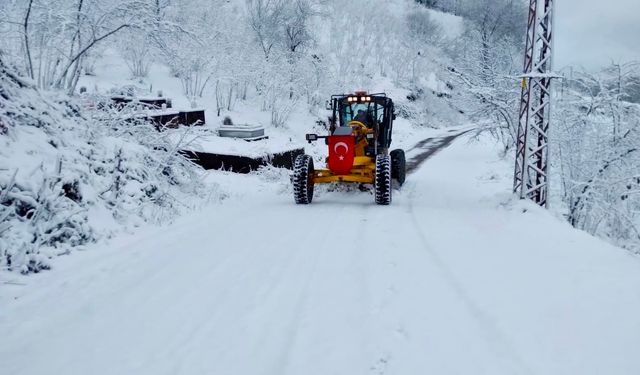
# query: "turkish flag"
{"points": [[342, 150]]}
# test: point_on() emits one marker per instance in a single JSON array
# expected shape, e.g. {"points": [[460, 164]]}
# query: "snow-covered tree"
{"points": [[57, 35], [596, 138], [487, 61]]}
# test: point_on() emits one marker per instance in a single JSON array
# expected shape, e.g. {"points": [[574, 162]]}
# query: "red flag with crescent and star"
{"points": [[341, 153]]}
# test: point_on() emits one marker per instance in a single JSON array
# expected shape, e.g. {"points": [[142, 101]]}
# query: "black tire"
{"points": [[382, 181], [303, 179], [398, 166]]}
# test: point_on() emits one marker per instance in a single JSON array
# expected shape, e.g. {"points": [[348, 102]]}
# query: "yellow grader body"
{"points": [[364, 167]]}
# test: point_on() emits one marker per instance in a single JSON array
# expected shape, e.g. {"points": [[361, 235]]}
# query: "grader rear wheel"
{"points": [[398, 166]]}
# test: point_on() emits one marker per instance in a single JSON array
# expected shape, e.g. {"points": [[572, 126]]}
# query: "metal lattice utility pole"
{"points": [[531, 169]]}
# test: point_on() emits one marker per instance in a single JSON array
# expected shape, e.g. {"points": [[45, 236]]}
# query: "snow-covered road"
{"points": [[449, 279]]}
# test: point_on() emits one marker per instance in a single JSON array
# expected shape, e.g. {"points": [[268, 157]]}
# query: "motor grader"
{"points": [[358, 148]]}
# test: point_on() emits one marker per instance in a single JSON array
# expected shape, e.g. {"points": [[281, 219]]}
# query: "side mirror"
{"points": [[327, 105], [393, 116], [311, 137]]}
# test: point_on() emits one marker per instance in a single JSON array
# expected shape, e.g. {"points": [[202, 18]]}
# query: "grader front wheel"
{"points": [[382, 181], [303, 179]]}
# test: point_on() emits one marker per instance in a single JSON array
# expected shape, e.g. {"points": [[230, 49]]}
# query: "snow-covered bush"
{"points": [[69, 175], [595, 138], [136, 51]]}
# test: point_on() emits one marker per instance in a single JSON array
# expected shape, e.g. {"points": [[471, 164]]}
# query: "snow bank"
{"points": [[67, 180]]}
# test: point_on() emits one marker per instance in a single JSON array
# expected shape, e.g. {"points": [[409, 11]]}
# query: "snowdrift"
{"points": [[67, 179]]}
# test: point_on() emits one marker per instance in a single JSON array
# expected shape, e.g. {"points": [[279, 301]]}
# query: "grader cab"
{"points": [[358, 148]]}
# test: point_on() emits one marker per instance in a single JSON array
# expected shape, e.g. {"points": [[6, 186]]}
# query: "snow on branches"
{"points": [[596, 145], [69, 176]]}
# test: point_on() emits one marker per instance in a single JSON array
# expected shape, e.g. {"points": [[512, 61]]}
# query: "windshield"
{"points": [[367, 113]]}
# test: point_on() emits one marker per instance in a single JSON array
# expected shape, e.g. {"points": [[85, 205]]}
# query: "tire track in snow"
{"points": [[497, 339], [293, 330], [283, 264], [361, 259], [387, 337], [322, 324]]}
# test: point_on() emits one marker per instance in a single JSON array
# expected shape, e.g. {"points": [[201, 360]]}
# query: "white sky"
{"points": [[592, 33]]}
